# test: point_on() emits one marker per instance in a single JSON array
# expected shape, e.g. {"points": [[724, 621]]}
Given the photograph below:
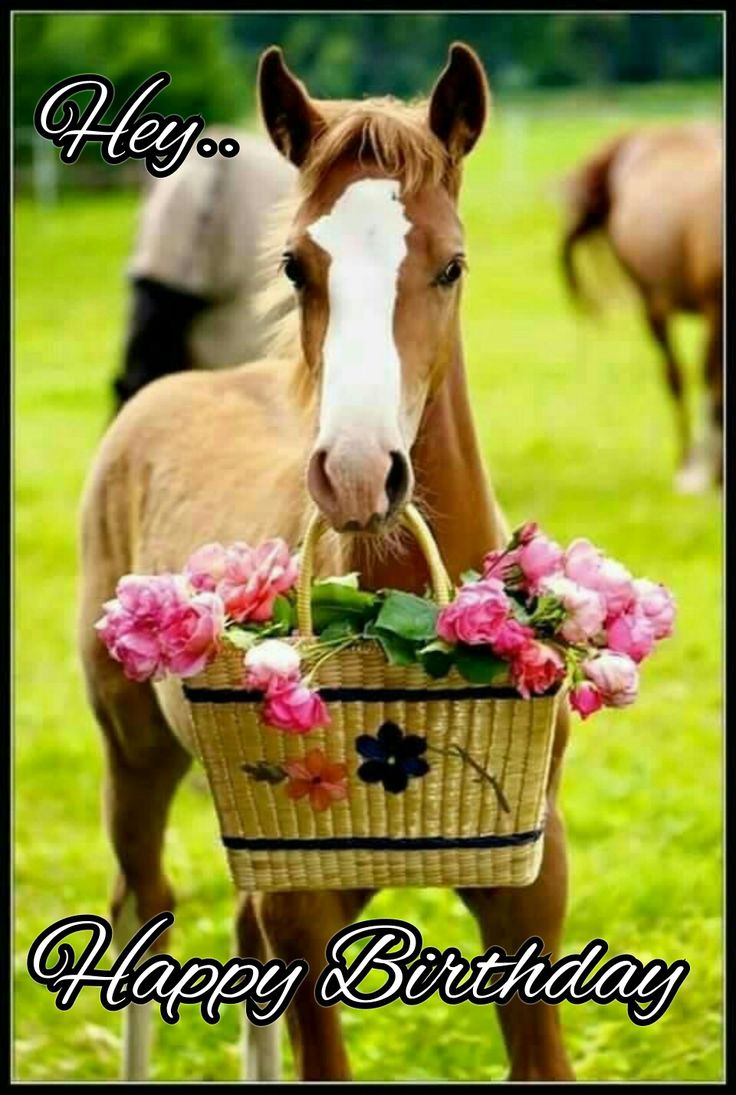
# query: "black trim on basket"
{"points": [[363, 695], [378, 843]]}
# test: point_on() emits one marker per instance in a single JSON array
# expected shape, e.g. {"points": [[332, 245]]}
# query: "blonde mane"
{"points": [[383, 132]]}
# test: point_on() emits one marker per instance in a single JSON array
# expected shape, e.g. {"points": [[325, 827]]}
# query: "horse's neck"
{"points": [[452, 489]]}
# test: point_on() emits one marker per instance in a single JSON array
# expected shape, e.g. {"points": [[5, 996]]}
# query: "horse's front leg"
{"points": [[299, 925], [508, 917]]}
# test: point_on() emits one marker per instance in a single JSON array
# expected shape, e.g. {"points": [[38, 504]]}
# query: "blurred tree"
{"points": [[582, 48], [666, 47], [347, 54], [212, 58], [359, 54], [196, 49]]}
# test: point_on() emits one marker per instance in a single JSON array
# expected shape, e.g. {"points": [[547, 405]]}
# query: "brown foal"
{"points": [[371, 400]]}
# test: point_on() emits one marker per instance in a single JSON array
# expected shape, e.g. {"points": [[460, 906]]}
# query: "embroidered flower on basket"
{"points": [[392, 757], [324, 781]]}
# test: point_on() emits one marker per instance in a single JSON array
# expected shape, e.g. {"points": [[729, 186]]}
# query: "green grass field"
{"points": [[578, 435]]}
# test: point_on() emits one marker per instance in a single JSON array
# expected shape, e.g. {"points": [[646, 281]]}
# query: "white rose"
{"points": [[268, 659]]}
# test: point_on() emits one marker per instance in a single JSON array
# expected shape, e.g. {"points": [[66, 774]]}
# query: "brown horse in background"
{"points": [[656, 196], [366, 408]]}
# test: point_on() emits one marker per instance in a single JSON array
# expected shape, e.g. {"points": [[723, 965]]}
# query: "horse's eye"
{"points": [[451, 272], [292, 268]]}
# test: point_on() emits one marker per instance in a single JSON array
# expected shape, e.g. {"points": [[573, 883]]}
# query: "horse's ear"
{"points": [[460, 101], [289, 114]]}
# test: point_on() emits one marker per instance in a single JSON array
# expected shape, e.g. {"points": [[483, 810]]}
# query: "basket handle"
{"points": [[442, 587]]}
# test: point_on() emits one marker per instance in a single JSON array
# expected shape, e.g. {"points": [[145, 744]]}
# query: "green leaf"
{"points": [[479, 665], [240, 638], [284, 615], [265, 772], [333, 602], [549, 611], [437, 658], [520, 613], [408, 616], [348, 580], [398, 651], [338, 629], [470, 576]]}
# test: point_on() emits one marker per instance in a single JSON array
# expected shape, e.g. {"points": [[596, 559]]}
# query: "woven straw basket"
{"points": [[475, 818]]}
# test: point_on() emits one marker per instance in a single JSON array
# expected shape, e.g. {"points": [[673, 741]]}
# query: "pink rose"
{"points": [[254, 577], [191, 639], [510, 637], [589, 567], [476, 614], [585, 699], [657, 604], [136, 647], [154, 627], [153, 597], [536, 557], [586, 609], [291, 706], [527, 532], [631, 633], [539, 558], [616, 586], [582, 561], [615, 676], [536, 668], [270, 661], [501, 565], [133, 621], [206, 567]]}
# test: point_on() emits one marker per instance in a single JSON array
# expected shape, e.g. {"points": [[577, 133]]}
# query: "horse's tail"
{"points": [[588, 196]]}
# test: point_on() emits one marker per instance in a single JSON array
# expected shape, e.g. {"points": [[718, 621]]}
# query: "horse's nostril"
{"points": [[318, 479], [358, 487], [397, 480]]}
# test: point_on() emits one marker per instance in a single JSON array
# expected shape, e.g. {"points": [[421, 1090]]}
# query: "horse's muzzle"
{"points": [[357, 488]]}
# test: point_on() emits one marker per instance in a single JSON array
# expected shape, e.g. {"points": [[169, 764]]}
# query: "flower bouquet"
{"points": [[358, 738]]}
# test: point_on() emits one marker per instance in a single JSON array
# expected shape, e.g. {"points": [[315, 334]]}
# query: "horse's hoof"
{"points": [[694, 478]]}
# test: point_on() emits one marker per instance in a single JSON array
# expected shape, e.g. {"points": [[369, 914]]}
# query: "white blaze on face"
{"points": [[365, 236]]}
